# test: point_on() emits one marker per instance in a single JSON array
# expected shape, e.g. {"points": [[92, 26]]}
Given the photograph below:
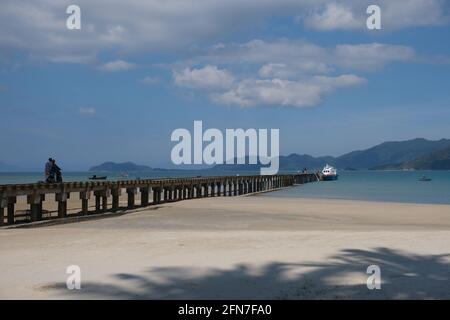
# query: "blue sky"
{"points": [[117, 88]]}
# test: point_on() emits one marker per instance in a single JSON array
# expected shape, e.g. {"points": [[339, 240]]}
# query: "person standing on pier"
{"points": [[55, 172], [48, 169]]}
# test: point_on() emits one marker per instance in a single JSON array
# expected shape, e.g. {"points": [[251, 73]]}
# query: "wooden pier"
{"points": [[152, 192]]}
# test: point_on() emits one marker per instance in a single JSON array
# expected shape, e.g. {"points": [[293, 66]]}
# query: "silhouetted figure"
{"points": [[48, 169], [56, 172]]}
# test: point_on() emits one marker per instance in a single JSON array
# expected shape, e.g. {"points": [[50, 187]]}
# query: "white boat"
{"points": [[329, 173]]}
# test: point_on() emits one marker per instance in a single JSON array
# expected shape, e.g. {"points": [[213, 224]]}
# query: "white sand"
{"points": [[241, 247]]}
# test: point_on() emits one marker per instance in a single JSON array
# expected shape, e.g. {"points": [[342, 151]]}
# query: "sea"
{"points": [[392, 186]]}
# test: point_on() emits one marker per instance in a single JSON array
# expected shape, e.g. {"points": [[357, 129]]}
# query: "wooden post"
{"points": [[156, 195], [35, 202], [170, 194], [41, 206], [62, 203], [131, 193], [97, 201], [3, 205], [104, 202], [85, 196], [10, 210], [144, 196], [163, 195], [116, 192]]}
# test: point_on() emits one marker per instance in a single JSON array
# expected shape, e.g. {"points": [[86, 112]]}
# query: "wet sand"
{"points": [[240, 247]]}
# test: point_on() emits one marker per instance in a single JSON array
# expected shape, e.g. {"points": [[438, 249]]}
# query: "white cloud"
{"points": [[371, 56], [277, 92], [117, 65], [37, 27], [395, 14], [259, 51], [286, 58], [293, 69], [284, 72], [208, 78], [277, 70], [87, 111], [333, 16], [414, 13]]}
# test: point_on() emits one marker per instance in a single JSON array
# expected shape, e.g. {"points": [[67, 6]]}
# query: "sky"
{"points": [[116, 89]]}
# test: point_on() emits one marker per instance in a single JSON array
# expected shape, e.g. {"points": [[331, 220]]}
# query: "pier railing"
{"points": [[152, 192]]}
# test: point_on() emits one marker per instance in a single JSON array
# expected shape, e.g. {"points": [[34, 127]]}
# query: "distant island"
{"points": [[416, 154]]}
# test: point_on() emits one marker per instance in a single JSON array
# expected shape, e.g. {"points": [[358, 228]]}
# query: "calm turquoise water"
{"points": [[395, 186]]}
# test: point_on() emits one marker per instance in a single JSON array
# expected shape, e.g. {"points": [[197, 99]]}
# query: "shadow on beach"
{"points": [[404, 276]]}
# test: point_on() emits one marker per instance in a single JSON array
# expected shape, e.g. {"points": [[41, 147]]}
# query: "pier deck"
{"points": [[151, 191]]}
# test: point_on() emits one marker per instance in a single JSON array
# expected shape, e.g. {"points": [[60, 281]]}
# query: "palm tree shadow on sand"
{"points": [[404, 276]]}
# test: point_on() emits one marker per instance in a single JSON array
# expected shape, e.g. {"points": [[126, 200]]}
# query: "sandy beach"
{"points": [[240, 248]]}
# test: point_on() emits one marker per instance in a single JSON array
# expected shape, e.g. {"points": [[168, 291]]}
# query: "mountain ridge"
{"points": [[389, 154], [438, 160], [383, 154]]}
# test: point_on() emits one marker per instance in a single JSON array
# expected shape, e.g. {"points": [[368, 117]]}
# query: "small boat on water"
{"points": [[424, 178], [329, 173], [95, 177]]}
